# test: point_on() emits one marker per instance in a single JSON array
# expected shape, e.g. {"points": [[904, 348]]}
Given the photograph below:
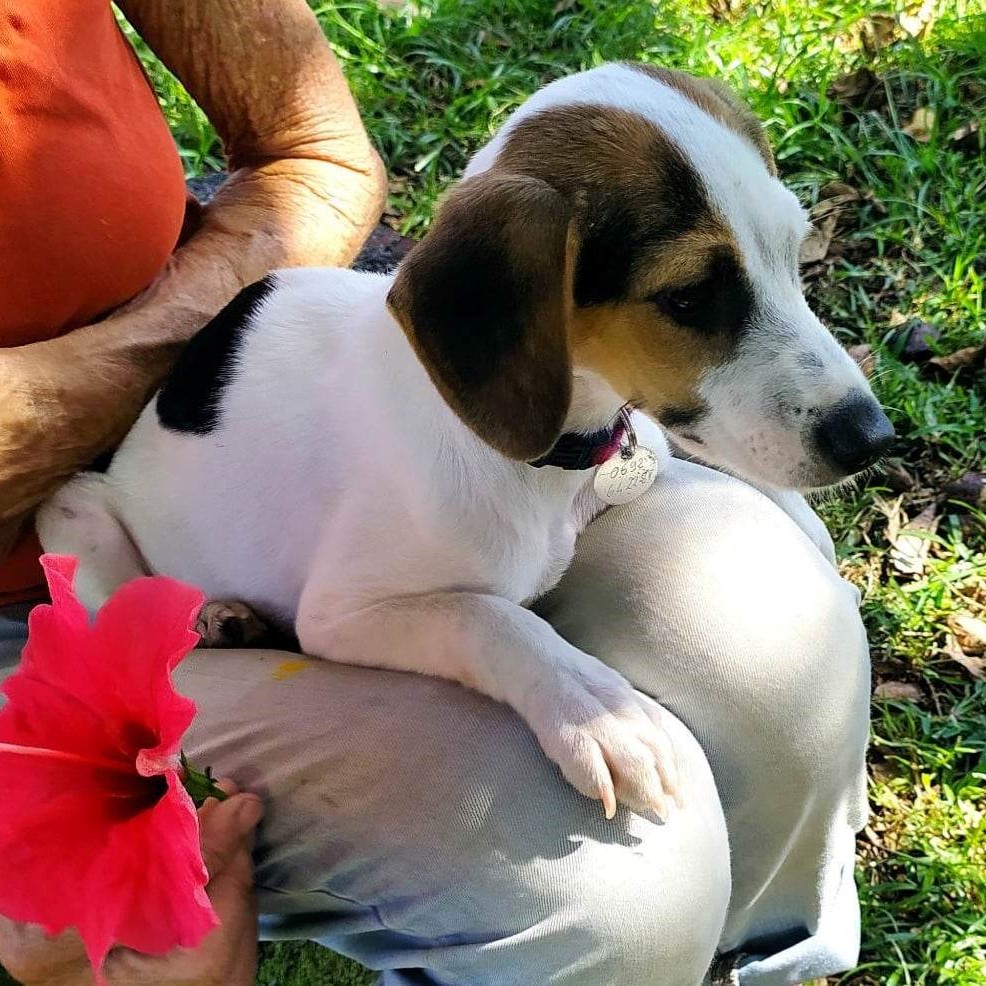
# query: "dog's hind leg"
{"points": [[79, 520]]}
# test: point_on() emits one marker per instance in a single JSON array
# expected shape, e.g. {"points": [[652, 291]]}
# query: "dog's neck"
{"points": [[594, 403]]}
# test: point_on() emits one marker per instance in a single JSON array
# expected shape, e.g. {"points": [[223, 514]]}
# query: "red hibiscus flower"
{"points": [[96, 829]]}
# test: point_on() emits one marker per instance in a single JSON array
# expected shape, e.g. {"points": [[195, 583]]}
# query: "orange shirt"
{"points": [[92, 194]]}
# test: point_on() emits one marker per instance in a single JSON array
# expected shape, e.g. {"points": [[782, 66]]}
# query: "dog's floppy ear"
{"points": [[485, 300]]}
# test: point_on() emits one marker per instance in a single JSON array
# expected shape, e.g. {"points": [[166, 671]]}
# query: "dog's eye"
{"points": [[682, 305]]}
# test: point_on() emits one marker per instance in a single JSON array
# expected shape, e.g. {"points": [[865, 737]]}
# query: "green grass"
{"points": [[434, 79]]}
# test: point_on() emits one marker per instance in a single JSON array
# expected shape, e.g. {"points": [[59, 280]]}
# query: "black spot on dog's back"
{"points": [[190, 398]]}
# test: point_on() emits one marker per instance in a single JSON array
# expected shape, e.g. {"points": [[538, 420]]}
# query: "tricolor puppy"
{"points": [[395, 466]]}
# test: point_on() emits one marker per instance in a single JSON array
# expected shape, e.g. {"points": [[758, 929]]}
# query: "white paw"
{"points": [[607, 738]]}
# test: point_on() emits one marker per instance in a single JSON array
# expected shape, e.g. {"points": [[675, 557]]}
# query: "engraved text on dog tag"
{"points": [[621, 480]]}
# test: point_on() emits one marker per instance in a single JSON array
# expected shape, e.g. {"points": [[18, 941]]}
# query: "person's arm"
{"points": [[306, 188]]}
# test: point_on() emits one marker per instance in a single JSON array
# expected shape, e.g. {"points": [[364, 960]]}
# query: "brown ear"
{"points": [[485, 300]]}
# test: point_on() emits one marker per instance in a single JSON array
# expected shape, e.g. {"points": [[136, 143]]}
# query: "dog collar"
{"points": [[575, 451]]}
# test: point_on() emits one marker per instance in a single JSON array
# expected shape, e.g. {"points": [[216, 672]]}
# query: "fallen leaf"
{"points": [[861, 89], [834, 197], [894, 513], [968, 360], [969, 631], [970, 489], [915, 340], [877, 31], [909, 549], [966, 138], [921, 125], [864, 357], [902, 691], [976, 666], [831, 189], [815, 246], [723, 10], [897, 477], [916, 22]]}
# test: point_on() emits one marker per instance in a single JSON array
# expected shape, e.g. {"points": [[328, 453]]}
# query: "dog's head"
{"points": [[626, 228]]}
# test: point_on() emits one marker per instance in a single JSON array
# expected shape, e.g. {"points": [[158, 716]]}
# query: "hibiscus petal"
{"points": [[56, 630], [116, 670], [146, 626], [167, 905], [114, 855], [55, 831], [41, 714]]}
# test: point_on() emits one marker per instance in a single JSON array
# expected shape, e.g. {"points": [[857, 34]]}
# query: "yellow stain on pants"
{"points": [[287, 669]]}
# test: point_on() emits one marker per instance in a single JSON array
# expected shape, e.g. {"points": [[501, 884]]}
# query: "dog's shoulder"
{"points": [[189, 400], [282, 302]]}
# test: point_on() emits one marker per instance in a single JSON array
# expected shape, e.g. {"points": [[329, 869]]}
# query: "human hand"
{"points": [[227, 956]]}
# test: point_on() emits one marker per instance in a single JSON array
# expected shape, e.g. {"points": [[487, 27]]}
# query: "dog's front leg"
{"points": [[606, 738]]}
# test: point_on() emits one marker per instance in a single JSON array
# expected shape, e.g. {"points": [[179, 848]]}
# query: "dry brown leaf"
{"points": [[833, 188], [724, 10], [864, 357], [916, 22], [970, 359], [909, 549], [970, 489], [834, 197], [966, 138], [976, 666], [902, 691], [970, 632], [815, 245], [861, 89], [897, 477], [921, 125], [877, 31], [893, 511]]}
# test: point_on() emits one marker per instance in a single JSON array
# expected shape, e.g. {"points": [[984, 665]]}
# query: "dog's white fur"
{"points": [[340, 495]]}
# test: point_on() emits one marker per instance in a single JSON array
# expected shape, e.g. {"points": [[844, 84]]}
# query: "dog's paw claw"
{"points": [[229, 624], [608, 741]]}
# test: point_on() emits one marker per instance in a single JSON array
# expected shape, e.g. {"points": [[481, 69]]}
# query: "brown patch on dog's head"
{"points": [[719, 101], [646, 236], [581, 245]]}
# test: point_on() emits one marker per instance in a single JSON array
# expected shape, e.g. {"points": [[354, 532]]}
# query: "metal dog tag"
{"points": [[624, 479]]}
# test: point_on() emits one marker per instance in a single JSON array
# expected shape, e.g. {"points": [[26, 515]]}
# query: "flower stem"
{"points": [[200, 784]]}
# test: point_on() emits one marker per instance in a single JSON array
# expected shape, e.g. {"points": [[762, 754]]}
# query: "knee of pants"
{"points": [[648, 907], [411, 823], [724, 607]]}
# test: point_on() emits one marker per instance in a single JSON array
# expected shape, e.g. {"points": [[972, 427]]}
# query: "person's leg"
{"points": [[418, 828], [711, 600]]}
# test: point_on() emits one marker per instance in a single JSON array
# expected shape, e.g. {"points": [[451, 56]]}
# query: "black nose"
{"points": [[854, 433]]}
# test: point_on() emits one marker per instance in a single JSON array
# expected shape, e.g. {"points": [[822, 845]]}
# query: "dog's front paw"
{"points": [[607, 738]]}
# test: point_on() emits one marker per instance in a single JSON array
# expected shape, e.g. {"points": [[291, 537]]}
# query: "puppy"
{"points": [[394, 467]]}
